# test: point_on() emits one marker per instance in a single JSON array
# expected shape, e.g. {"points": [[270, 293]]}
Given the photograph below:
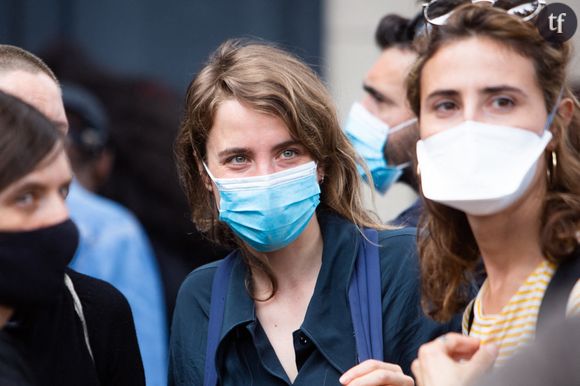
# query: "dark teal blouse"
{"points": [[324, 345]]}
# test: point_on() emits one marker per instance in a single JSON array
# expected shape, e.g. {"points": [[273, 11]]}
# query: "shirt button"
{"points": [[303, 339]]}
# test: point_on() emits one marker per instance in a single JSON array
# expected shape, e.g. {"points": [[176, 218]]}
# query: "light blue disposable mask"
{"points": [[269, 212], [369, 135]]}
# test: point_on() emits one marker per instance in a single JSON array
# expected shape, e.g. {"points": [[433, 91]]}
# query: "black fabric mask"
{"points": [[32, 263]]}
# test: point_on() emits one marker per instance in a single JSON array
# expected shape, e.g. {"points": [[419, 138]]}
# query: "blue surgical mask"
{"points": [[369, 135], [269, 212]]}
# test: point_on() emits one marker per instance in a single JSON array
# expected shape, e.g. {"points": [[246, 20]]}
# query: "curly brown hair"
{"points": [[274, 82], [448, 250]]}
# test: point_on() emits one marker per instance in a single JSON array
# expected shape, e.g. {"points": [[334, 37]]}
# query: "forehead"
{"points": [[53, 170], [392, 66], [54, 167], [476, 62], [237, 124], [55, 164], [36, 89]]}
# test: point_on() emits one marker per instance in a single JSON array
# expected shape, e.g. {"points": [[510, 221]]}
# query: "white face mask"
{"points": [[479, 168]]}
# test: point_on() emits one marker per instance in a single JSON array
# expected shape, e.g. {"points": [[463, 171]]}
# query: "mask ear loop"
{"points": [[403, 125], [551, 168], [554, 111], [212, 202], [399, 127], [208, 172], [210, 188], [404, 165]]}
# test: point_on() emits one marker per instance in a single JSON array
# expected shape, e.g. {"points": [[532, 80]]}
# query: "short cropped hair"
{"points": [[14, 58]]}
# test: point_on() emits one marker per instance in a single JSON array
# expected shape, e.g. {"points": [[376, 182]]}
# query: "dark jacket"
{"points": [[14, 370], [324, 345], [51, 339], [410, 216]]}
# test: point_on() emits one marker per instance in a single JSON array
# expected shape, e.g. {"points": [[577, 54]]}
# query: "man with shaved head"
{"points": [[25, 76], [103, 330]]}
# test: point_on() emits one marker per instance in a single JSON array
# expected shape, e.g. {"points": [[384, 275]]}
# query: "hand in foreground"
{"points": [[452, 360], [376, 373]]}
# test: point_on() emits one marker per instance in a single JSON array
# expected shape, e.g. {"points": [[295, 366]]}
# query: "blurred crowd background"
{"points": [[138, 56]]}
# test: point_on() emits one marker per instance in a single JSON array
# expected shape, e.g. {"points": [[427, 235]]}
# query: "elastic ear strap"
{"points": [[403, 125], [208, 172], [554, 111], [404, 165]]}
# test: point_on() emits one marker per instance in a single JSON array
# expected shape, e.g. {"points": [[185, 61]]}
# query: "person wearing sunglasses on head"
{"points": [[382, 127], [499, 164], [315, 292]]}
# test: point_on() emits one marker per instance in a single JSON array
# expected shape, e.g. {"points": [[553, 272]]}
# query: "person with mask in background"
{"points": [[382, 127], [499, 163], [143, 177], [113, 245], [268, 172], [68, 328]]}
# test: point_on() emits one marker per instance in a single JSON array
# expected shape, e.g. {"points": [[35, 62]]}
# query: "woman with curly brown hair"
{"points": [[499, 162]]}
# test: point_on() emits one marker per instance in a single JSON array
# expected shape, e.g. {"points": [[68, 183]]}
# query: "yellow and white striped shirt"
{"points": [[515, 326]]}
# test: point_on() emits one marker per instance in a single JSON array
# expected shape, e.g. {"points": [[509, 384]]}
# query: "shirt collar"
{"points": [[239, 308], [329, 303]]}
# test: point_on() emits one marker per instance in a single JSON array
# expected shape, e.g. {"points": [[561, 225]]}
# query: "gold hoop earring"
{"points": [[551, 169]]}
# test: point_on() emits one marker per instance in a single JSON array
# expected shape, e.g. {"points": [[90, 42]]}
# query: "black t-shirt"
{"points": [[51, 339]]}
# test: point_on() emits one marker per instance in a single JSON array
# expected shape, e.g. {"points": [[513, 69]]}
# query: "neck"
{"points": [[296, 264], [509, 242]]}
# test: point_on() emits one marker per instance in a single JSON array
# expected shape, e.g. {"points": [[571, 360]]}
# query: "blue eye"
{"points": [[288, 153], [238, 159]]}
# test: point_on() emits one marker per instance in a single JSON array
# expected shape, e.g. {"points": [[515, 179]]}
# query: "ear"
{"points": [[204, 177], [320, 174], [565, 113], [566, 110]]}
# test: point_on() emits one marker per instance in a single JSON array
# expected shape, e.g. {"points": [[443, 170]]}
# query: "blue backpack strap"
{"points": [[364, 295], [219, 290]]}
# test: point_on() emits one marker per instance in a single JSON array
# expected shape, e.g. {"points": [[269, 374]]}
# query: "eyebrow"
{"points": [[376, 94], [286, 144], [486, 90], [503, 88], [441, 93], [233, 151], [34, 185], [242, 150]]}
